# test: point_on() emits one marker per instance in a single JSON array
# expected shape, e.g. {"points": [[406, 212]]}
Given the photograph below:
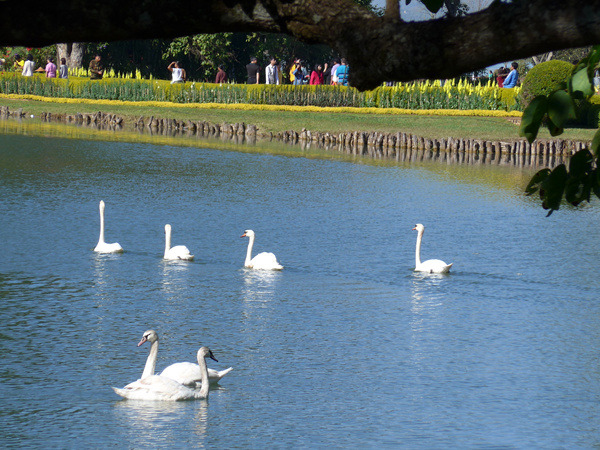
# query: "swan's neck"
{"points": [[249, 251], [167, 241], [204, 378], [151, 361], [101, 239], [418, 249]]}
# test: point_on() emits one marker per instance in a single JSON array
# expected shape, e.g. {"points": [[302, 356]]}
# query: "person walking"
{"points": [[96, 69], [63, 70], [342, 73], [272, 73], [221, 75], [28, 67], [316, 77], [253, 71], [50, 68]]}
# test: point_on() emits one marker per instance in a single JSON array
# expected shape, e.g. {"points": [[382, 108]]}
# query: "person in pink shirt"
{"points": [[316, 77], [50, 68]]}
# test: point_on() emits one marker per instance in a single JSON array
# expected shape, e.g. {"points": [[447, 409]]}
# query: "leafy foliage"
{"points": [[544, 79], [582, 178]]}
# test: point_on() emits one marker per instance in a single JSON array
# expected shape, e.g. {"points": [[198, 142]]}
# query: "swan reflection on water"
{"points": [[161, 422], [259, 285]]}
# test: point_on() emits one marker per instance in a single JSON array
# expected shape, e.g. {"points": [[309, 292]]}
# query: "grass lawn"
{"points": [[490, 128]]}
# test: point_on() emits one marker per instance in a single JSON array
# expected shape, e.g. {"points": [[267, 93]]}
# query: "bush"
{"points": [[545, 78]]}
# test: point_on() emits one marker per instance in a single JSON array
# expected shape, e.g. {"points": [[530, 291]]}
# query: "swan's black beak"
{"points": [[144, 339], [211, 356]]}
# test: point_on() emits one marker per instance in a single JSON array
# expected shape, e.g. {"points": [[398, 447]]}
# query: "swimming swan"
{"points": [[185, 373], [102, 246], [431, 265], [262, 261], [157, 387], [177, 252]]}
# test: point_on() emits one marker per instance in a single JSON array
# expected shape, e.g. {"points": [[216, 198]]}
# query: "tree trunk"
{"points": [[72, 52]]}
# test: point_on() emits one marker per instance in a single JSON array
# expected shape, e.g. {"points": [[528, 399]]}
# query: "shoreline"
{"points": [[382, 145]]}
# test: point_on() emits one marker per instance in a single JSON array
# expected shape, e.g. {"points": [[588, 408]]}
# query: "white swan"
{"points": [[177, 252], [157, 387], [431, 265], [102, 246], [262, 261], [186, 373]]}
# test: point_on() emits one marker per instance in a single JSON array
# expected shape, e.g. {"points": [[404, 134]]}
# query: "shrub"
{"points": [[545, 78]]}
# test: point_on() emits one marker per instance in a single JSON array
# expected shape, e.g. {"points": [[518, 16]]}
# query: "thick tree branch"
{"points": [[378, 48]]}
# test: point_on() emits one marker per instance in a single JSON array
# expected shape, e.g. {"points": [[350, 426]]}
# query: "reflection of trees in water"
{"points": [[161, 423]]}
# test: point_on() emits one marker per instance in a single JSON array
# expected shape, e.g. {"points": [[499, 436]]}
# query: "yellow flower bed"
{"points": [[248, 107]]}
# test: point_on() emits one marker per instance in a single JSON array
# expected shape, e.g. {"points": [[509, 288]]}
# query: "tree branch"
{"points": [[378, 48]]}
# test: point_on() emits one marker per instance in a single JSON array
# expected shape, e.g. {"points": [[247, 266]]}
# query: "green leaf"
{"points": [[596, 144], [580, 83], [433, 5], [577, 190], [536, 181], [553, 128], [580, 164], [560, 108], [532, 118], [553, 188]]}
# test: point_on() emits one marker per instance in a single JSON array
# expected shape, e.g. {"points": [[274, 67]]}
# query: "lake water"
{"points": [[346, 347]]}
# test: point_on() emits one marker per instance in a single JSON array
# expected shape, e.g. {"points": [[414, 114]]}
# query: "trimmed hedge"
{"points": [[421, 96], [544, 78]]}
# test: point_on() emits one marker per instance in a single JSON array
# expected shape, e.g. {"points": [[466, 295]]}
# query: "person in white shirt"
{"points": [[28, 67], [179, 75], [272, 73]]}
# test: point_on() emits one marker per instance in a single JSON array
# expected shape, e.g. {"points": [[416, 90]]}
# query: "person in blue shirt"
{"points": [[342, 73], [513, 76]]}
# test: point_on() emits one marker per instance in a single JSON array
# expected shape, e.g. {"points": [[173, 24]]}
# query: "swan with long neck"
{"points": [[186, 373], [177, 252], [157, 387], [262, 261], [431, 265], [103, 247]]}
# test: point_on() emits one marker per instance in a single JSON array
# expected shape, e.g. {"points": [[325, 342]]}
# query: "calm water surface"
{"points": [[346, 347]]}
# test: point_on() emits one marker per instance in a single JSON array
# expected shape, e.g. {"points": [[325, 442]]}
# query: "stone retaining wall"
{"points": [[378, 145]]}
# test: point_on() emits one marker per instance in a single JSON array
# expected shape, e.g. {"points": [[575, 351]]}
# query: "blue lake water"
{"points": [[346, 347]]}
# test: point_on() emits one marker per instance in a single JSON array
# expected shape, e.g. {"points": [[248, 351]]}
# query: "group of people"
{"points": [[508, 78], [336, 74], [27, 67]]}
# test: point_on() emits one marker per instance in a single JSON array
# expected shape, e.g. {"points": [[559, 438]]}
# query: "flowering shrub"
{"points": [[408, 96]]}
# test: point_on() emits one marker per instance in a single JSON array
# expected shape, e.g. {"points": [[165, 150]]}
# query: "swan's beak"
{"points": [[144, 339], [211, 356], [243, 235], [414, 228]]}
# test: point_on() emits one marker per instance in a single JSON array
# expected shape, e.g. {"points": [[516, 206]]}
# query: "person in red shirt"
{"points": [[221, 75], [316, 77]]}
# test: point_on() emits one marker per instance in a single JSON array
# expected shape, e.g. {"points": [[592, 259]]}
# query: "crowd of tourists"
{"points": [[299, 73], [27, 67], [335, 72]]}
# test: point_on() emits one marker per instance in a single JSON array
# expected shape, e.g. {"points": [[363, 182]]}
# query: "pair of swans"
{"points": [[179, 381], [431, 265], [179, 252]]}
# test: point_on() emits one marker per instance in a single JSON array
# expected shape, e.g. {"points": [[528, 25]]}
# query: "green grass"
{"points": [[488, 128]]}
